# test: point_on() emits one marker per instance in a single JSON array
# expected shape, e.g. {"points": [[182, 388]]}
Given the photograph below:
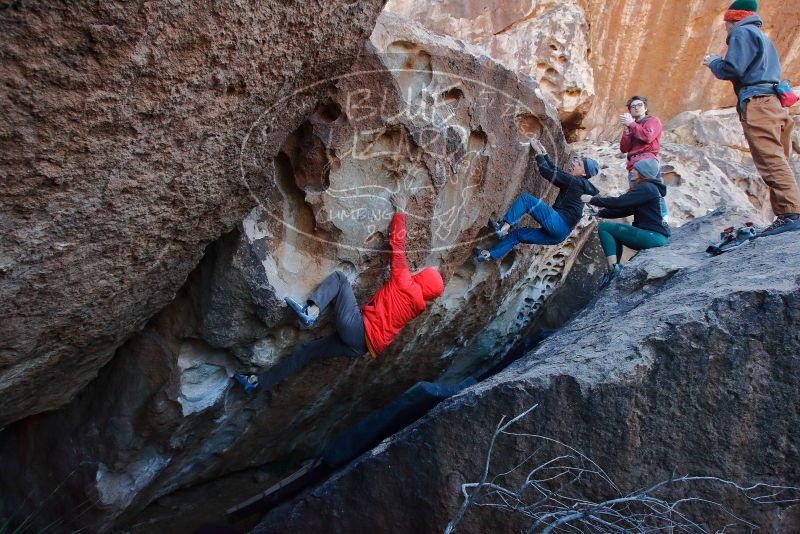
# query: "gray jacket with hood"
{"points": [[751, 58]]}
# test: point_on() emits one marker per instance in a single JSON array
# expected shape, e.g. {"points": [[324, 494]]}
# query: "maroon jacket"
{"points": [[641, 140]]}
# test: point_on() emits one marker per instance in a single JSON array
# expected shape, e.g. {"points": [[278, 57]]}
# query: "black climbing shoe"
{"points": [[250, 382], [783, 223], [497, 228], [482, 255], [301, 311], [609, 276]]}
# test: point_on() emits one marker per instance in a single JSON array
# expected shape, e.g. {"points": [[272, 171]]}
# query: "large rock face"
{"points": [[653, 48], [546, 40], [419, 114], [121, 127], [686, 362]]}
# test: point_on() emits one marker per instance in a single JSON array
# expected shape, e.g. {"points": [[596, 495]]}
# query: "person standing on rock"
{"points": [[753, 65], [641, 137], [556, 222], [358, 331], [643, 201]]}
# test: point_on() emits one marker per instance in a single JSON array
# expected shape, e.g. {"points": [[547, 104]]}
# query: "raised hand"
{"points": [[399, 202], [537, 147]]}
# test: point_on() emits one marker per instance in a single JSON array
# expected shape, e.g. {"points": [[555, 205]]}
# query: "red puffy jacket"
{"points": [[641, 140], [400, 299]]}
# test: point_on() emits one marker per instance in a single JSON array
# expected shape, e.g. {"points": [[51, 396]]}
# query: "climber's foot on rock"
{"points": [[609, 276], [249, 382], [302, 312], [783, 223], [482, 255], [500, 228]]}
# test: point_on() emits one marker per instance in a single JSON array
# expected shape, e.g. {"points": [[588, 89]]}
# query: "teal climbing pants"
{"points": [[614, 235]]}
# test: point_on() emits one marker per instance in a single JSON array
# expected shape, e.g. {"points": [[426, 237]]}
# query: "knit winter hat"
{"points": [[741, 9], [649, 168], [591, 167], [745, 5]]}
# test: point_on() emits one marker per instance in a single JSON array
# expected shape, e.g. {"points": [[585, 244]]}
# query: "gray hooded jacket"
{"points": [[751, 58]]}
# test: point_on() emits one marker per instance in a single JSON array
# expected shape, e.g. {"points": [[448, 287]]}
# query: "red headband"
{"points": [[735, 15]]}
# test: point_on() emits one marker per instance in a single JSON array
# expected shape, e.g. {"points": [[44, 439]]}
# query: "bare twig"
{"points": [[558, 484]]}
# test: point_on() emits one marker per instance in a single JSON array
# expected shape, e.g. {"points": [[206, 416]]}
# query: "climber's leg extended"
{"points": [[531, 236], [335, 287], [336, 290], [349, 322], [319, 349], [550, 221], [348, 341], [553, 228]]}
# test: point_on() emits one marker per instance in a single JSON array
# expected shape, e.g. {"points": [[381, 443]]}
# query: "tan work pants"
{"points": [[768, 129]]}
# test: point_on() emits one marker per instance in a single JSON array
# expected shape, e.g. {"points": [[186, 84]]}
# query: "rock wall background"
{"points": [[418, 113], [136, 135], [120, 133], [630, 47]]}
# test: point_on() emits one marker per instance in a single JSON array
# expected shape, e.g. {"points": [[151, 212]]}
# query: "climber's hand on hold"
{"points": [[710, 58], [537, 147], [586, 198], [399, 202]]}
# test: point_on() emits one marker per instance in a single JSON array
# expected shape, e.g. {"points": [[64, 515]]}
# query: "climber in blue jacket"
{"points": [[557, 221]]}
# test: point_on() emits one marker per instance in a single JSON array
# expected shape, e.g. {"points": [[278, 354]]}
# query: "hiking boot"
{"points": [[482, 255], [783, 223], [497, 228], [609, 276], [301, 311], [250, 382]]}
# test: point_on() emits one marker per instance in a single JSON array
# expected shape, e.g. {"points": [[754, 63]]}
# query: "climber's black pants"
{"points": [[349, 339]]}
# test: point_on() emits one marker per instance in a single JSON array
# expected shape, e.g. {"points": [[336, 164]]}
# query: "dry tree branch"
{"points": [[559, 483]]}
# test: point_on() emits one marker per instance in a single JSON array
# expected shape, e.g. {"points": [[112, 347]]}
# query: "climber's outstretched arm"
{"points": [[397, 242]]}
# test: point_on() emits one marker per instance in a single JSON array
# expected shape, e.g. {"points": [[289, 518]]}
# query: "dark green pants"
{"points": [[614, 235]]}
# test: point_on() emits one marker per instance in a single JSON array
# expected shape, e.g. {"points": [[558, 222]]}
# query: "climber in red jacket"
{"points": [[369, 329]]}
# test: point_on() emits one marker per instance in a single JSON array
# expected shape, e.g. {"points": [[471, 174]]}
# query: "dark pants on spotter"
{"points": [[349, 339]]}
